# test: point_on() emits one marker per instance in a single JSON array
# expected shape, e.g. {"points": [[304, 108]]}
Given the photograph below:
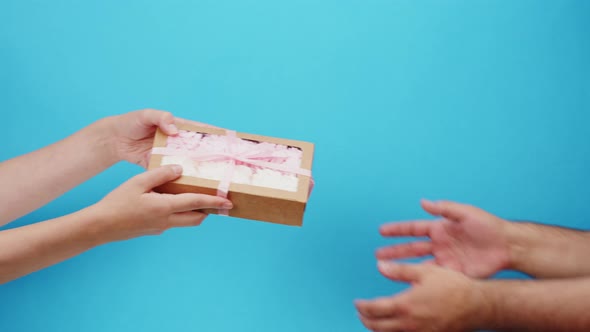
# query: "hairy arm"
{"points": [[548, 251], [442, 299], [545, 305]]}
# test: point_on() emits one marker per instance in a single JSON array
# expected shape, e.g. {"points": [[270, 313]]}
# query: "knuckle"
{"points": [[404, 309], [159, 208], [167, 115], [159, 231], [169, 171], [198, 201], [162, 173], [147, 112], [371, 311], [391, 307], [201, 218], [203, 201], [144, 113], [194, 221], [198, 221]]}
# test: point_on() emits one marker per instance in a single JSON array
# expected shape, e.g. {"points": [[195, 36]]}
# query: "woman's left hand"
{"points": [[133, 133]]}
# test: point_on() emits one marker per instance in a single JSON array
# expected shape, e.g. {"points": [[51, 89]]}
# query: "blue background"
{"points": [[483, 102]]}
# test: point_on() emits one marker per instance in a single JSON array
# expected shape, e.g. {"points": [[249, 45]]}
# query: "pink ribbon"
{"points": [[252, 157]]}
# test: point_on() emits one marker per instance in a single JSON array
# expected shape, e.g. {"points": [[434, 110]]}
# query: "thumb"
{"points": [[164, 120], [402, 272], [450, 210], [156, 177]]}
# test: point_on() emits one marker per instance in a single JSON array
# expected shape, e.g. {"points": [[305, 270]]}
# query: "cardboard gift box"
{"points": [[259, 174]]}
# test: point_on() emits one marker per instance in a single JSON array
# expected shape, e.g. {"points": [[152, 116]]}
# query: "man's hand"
{"points": [[466, 239], [440, 300]]}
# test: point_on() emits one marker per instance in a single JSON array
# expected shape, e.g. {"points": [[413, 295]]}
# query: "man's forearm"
{"points": [[34, 179], [548, 252], [537, 305], [30, 248]]}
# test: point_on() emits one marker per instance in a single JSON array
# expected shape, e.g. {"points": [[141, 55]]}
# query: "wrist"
{"points": [[91, 227], [97, 228], [484, 304], [104, 140], [517, 236]]}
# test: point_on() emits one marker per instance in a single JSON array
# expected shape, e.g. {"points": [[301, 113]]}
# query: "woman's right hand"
{"points": [[133, 209]]}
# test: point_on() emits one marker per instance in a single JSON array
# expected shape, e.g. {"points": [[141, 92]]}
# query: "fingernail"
{"points": [[177, 169], [227, 205], [172, 129], [384, 265]]}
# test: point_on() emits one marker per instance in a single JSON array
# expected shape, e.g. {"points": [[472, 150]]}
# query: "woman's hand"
{"points": [[133, 209]]}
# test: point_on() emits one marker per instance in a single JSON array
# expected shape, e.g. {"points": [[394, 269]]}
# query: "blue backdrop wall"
{"points": [[483, 102]]}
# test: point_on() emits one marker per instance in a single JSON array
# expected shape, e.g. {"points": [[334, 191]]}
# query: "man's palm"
{"points": [[467, 239]]}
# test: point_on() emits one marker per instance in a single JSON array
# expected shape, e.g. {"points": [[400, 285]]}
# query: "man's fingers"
{"points": [[402, 272], [406, 250], [410, 228], [149, 180], [190, 202], [449, 264], [390, 324], [377, 308], [164, 120], [431, 262], [449, 210], [186, 219]]}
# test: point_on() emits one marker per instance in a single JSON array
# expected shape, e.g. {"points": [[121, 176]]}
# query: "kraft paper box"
{"points": [[266, 178]]}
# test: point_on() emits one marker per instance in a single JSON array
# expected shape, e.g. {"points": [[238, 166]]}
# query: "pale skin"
{"points": [[467, 244], [129, 211]]}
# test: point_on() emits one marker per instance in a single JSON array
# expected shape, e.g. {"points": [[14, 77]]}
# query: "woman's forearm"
{"points": [[30, 248], [32, 180]]}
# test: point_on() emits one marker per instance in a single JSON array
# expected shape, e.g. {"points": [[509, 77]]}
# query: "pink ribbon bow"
{"points": [[254, 157]]}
